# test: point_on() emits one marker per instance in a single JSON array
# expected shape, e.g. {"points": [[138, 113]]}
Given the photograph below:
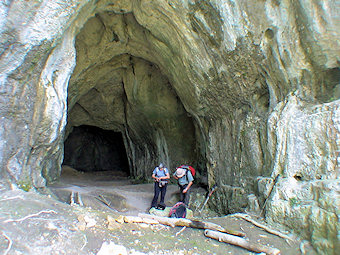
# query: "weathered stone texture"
{"points": [[306, 155], [244, 90]]}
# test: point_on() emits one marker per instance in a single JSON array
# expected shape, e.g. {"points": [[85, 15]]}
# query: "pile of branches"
{"points": [[211, 230]]}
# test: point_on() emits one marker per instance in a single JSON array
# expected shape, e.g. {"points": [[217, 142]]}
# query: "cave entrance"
{"points": [[121, 87], [92, 149]]}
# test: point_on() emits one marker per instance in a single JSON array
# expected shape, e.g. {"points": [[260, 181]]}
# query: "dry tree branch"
{"points": [[84, 243], [181, 230], [30, 216], [72, 198], [10, 198], [241, 242], [181, 222], [257, 224], [9, 243], [80, 201]]}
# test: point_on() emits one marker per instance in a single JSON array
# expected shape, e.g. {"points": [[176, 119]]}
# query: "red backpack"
{"points": [[192, 170], [179, 210]]}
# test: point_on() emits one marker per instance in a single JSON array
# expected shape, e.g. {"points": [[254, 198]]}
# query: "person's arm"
{"points": [[191, 181], [175, 176], [167, 175], [188, 187], [154, 175]]}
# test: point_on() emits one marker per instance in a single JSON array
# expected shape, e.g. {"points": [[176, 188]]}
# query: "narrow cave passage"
{"points": [[92, 149]]}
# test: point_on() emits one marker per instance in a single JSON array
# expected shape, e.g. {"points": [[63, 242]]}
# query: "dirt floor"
{"points": [[78, 216]]}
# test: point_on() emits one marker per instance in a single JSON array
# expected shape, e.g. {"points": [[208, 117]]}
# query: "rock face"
{"points": [[243, 90]]}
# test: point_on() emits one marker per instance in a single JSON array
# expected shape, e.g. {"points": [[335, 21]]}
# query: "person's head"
{"points": [[180, 172], [161, 165]]}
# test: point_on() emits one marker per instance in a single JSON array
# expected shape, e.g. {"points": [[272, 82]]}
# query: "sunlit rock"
{"points": [[242, 90]]}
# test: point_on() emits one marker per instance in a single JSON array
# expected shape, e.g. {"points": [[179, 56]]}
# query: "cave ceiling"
{"points": [[121, 83], [243, 90]]}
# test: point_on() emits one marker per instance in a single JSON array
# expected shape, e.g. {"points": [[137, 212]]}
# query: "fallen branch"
{"points": [[131, 219], [80, 201], [135, 219], [270, 192], [72, 198], [241, 242], [10, 198], [9, 243], [180, 231], [181, 222], [257, 224], [162, 220], [104, 201], [30, 216], [84, 243]]}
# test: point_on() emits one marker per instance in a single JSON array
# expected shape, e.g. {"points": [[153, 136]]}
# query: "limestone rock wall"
{"points": [[37, 58], [307, 194], [246, 89]]}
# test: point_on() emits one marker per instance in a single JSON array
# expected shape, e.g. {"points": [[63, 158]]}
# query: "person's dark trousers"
{"points": [[184, 197], [158, 190]]}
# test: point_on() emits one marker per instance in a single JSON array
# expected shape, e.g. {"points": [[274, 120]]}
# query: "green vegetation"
{"points": [[293, 201], [139, 180], [25, 185]]}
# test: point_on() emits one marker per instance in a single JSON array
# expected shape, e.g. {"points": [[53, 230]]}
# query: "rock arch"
{"points": [[254, 86]]}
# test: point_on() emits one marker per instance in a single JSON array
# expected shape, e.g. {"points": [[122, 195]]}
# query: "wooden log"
{"points": [[135, 219], [119, 219], [162, 220], [241, 242], [182, 222], [131, 219]]}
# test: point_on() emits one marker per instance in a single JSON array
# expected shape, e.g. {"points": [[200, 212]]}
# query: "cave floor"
{"points": [[31, 223], [109, 191], [127, 198]]}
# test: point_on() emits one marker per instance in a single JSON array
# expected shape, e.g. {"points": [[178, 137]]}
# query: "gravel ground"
{"points": [[35, 223]]}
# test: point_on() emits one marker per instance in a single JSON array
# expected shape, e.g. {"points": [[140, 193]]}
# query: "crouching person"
{"points": [[185, 180], [161, 175]]}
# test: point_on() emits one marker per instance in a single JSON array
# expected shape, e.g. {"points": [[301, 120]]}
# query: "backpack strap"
{"points": [[186, 171], [186, 174], [157, 171]]}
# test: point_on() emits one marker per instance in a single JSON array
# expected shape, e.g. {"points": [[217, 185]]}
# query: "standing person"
{"points": [[185, 180], [161, 176]]}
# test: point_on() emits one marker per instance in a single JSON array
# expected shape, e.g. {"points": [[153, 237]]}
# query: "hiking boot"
{"points": [[161, 207]]}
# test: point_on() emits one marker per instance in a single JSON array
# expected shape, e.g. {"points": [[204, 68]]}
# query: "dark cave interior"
{"points": [[92, 149]]}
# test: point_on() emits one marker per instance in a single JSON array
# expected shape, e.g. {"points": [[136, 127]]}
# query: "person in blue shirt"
{"points": [[185, 180], [161, 175]]}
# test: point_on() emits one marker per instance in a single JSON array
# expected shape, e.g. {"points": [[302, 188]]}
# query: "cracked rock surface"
{"points": [[242, 90]]}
